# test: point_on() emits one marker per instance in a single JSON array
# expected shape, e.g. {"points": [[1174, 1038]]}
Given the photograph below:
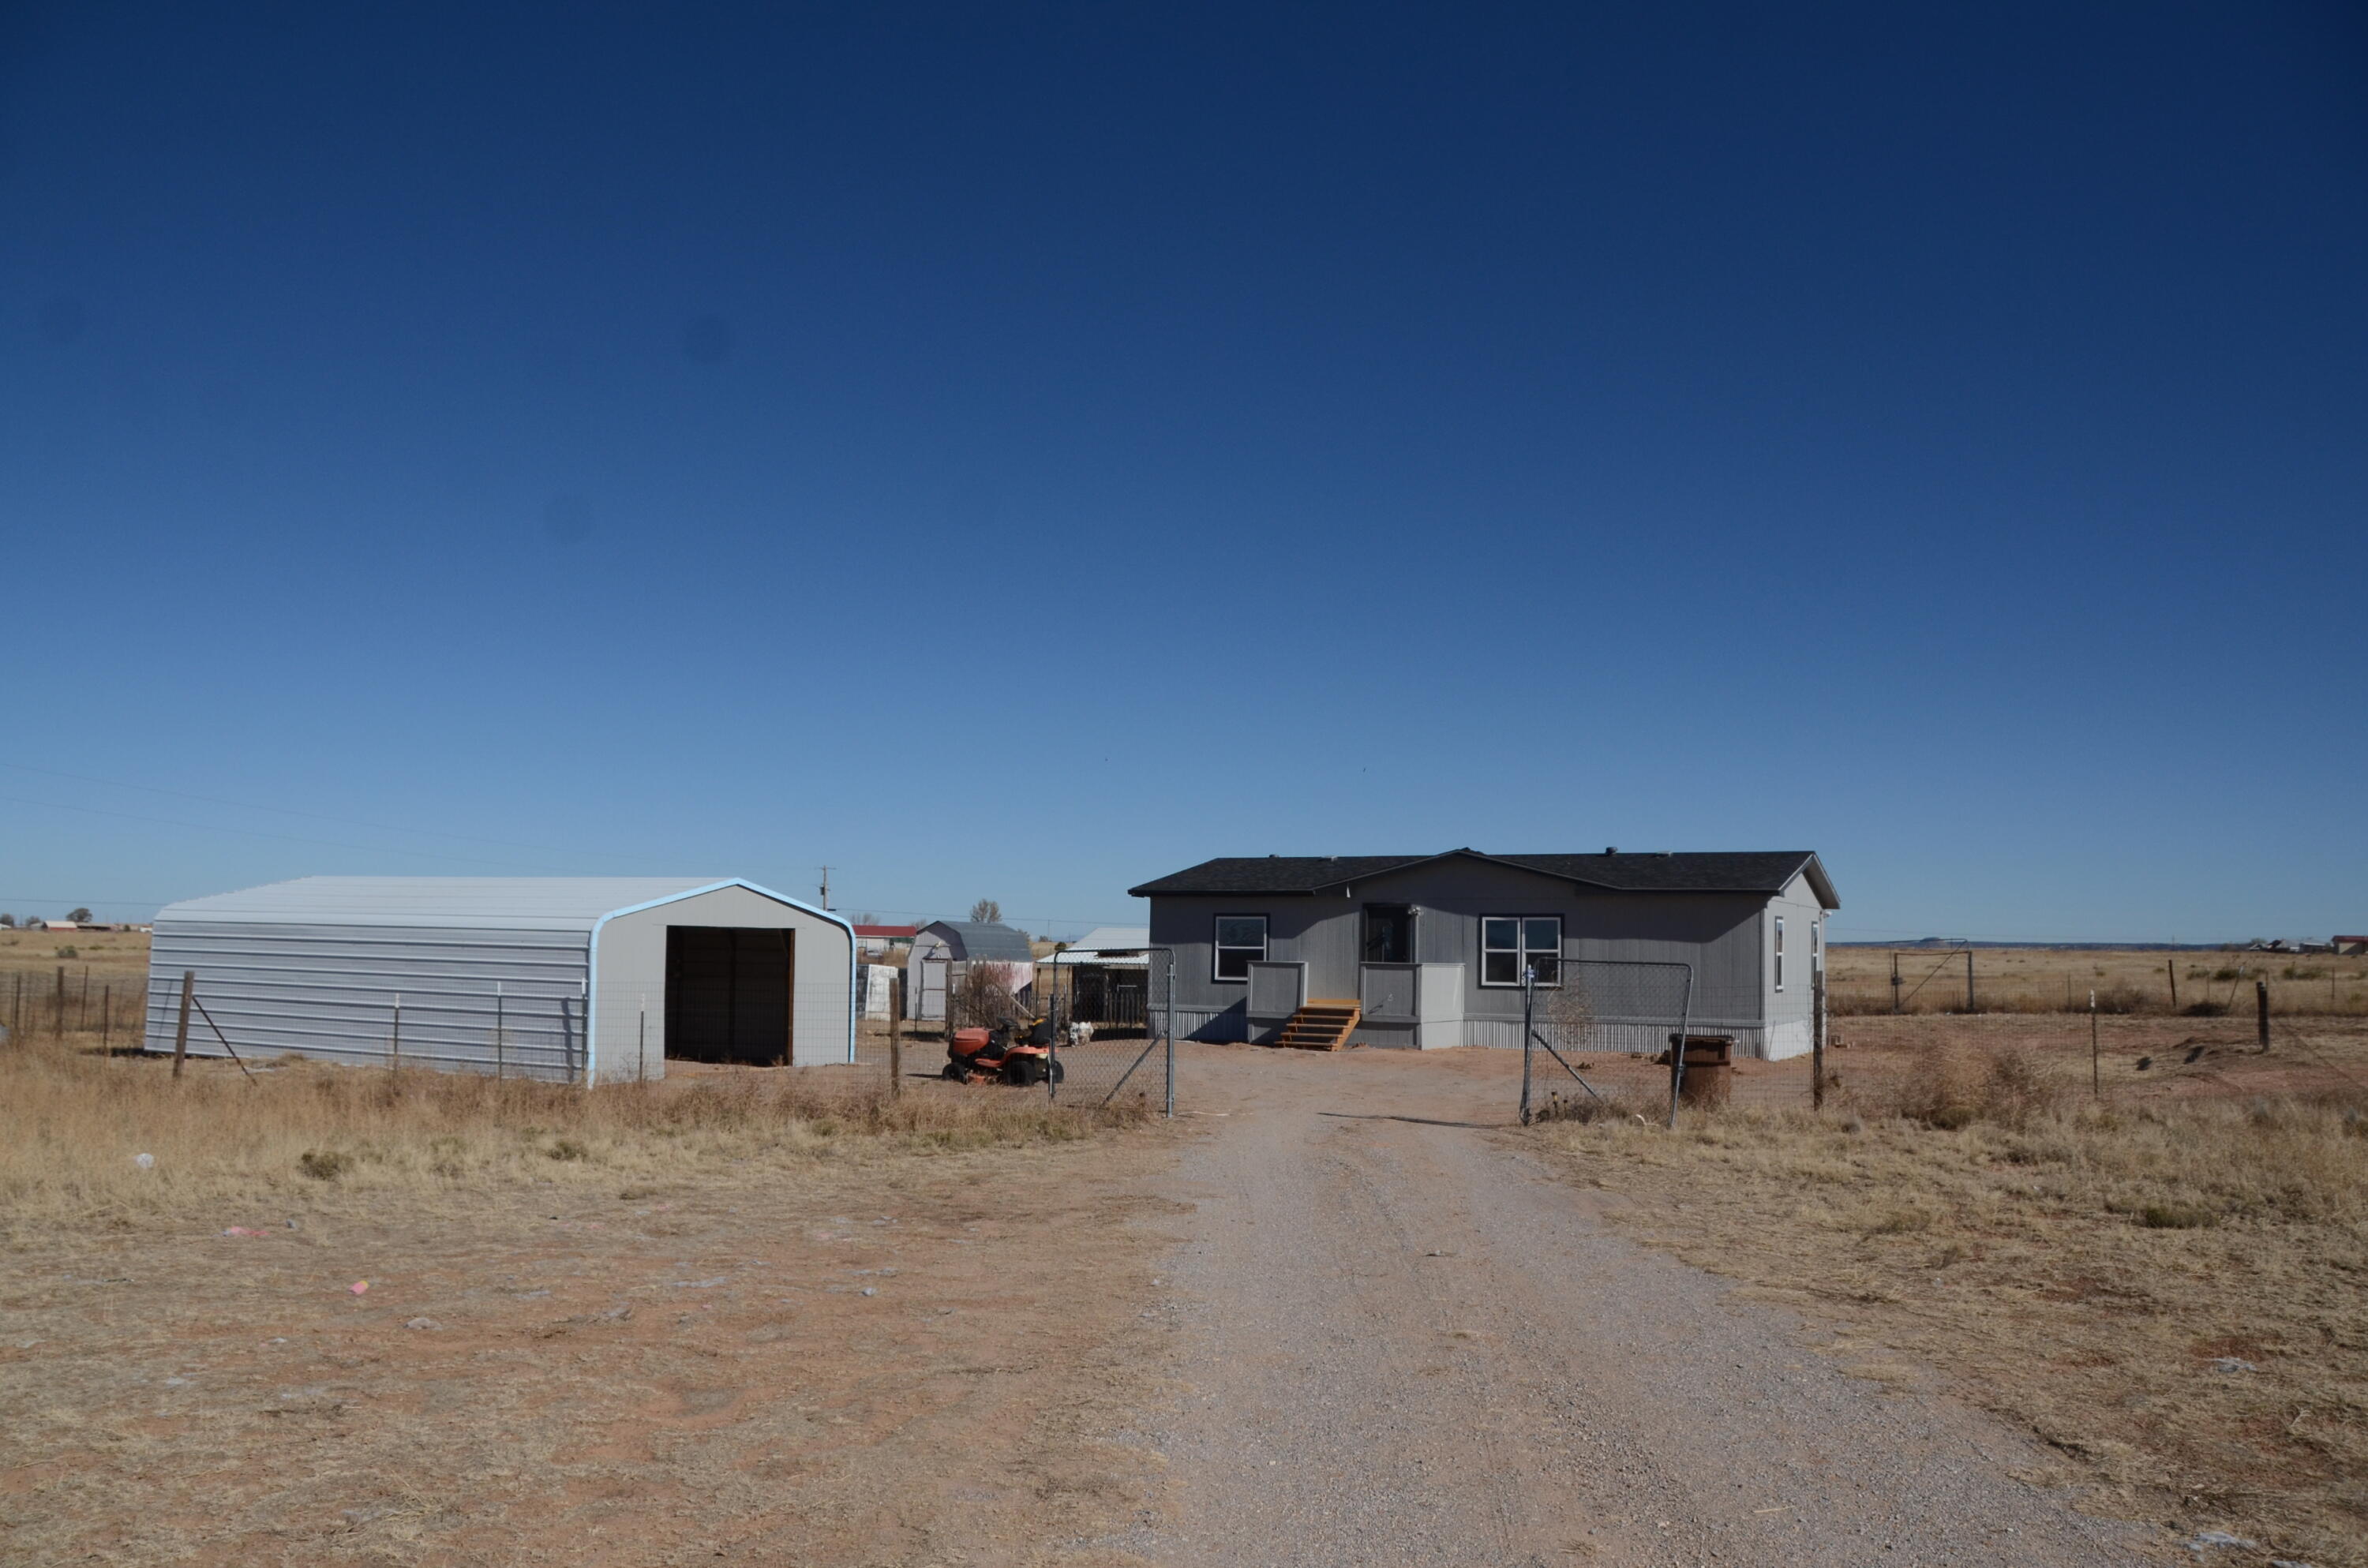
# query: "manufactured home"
{"points": [[1432, 949]]}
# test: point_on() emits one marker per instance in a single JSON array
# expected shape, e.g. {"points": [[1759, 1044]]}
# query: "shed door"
{"points": [[727, 995]]}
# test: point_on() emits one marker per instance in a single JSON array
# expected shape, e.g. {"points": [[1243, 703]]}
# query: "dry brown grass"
{"points": [[727, 1333], [2058, 980], [74, 1122], [2171, 1293]]}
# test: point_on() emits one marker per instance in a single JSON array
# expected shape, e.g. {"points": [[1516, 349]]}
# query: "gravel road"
{"points": [[1403, 1340]]}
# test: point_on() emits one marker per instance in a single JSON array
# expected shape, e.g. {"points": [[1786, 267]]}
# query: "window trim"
{"points": [[1780, 955], [1521, 952], [1266, 945]]}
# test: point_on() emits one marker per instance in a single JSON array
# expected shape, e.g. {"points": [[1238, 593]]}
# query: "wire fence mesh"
{"points": [[70, 1000], [1634, 1038], [1110, 1018], [1115, 1026]]}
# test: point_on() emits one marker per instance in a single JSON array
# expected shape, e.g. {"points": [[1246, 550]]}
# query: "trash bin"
{"points": [[1709, 1069]]}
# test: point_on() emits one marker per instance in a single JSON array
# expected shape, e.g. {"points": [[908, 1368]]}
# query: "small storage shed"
{"points": [[1106, 974], [575, 978], [943, 952]]}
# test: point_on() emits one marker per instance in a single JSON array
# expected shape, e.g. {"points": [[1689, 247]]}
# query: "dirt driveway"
{"points": [[1398, 1339], [1339, 1315]]}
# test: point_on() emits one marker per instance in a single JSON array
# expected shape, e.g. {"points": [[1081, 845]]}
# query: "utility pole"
{"points": [[826, 887], [1894, 983]]}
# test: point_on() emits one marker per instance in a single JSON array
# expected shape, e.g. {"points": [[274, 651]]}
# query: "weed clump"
{"points": [[1951, 1089], [1585, 1109], [325, 1164]]}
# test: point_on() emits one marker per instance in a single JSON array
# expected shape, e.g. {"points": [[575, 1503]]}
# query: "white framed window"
{"points": [[1779, 953], [1241, 941], [1510, 943]]}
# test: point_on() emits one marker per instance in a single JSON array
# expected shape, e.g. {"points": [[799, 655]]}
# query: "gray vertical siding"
{"points": [[1724, 936], [1788, 1012]]}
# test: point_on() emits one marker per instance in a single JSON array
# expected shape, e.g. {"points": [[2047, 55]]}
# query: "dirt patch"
{"points": [[894, 1357]]}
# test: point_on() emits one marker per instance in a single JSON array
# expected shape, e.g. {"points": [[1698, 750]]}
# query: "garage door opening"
{"points": [[727, 996]]}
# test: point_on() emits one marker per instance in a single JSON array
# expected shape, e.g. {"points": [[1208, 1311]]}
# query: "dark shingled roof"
{"points": [[984, 940], [1749, 870]]}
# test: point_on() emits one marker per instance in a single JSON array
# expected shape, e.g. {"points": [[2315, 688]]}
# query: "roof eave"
{"points": [[1819, 883]]}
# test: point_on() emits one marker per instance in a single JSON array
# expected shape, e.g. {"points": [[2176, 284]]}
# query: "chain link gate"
{"points": [[1111, 1038], [1633, 1012]]}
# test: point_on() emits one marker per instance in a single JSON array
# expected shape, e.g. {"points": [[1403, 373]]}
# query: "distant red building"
{"points": [[873, 940]]}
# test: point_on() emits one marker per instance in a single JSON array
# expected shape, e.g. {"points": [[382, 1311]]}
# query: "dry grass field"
{"points": [[2052, 980], [355, 1317], [746, 1315], [2168, 1284]]}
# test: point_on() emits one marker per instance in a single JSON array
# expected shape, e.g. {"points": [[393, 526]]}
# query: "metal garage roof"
{"points": [[512, 903]]}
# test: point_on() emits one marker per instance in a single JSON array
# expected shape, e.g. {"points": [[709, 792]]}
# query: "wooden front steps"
{"points": [[1320, 1026]]}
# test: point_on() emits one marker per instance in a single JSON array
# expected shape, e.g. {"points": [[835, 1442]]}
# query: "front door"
{"points": [[1389, 932]]}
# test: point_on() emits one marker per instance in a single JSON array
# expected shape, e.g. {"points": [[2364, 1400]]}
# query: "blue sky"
{"points": [[1019, 451]]}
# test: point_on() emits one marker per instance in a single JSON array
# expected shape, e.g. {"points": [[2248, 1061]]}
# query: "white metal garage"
{"points": [[579, 979]]}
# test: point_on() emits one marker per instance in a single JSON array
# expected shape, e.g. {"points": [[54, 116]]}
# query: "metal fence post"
{"points": [[1169, 1028], [499, 1048], [1529, 1029], [1817, 1040], [896, 1036], [1052, 1018], [2262, 1012], [1677, 1046], [181, 1035], [395, 1042]]}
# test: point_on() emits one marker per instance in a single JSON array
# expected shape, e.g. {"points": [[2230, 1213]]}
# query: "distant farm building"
{"points": [[946, 952], [873, 941], [571, 979]]}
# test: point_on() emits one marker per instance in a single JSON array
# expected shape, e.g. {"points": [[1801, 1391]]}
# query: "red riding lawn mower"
{"points": [[1019, 1053]]}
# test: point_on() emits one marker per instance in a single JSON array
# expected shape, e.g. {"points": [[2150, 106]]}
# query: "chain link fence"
{"points": [[1110, 1018], [1634, 1039], [1114, 1027]]}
